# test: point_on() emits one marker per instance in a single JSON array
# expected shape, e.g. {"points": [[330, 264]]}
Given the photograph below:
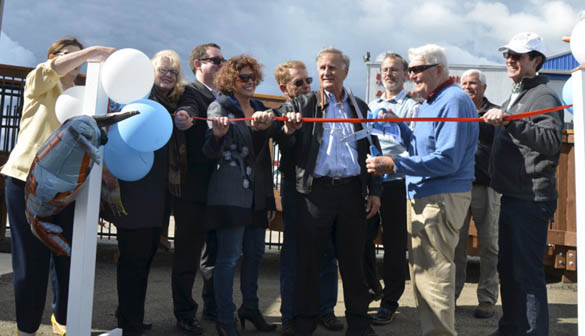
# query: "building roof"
{"points": [[563, 61]]}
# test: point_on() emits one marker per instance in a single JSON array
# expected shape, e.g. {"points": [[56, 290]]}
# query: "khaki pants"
{"points": [[433, 230]]}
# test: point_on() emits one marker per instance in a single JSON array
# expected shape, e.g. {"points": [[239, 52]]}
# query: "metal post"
{"points": [[83, 254], [579, 147]]}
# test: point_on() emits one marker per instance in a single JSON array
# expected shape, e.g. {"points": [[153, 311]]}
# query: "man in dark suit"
{"points": [[189, 188], [335, 194]]}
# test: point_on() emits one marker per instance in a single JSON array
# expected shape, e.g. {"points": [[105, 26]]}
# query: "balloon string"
{"points": [[418, 119]]}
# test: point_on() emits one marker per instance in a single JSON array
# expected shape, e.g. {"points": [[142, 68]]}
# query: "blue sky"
{"points": [[279, 30]]}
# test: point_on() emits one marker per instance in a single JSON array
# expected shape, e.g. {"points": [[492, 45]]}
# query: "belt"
{"points": [[335, 181]]}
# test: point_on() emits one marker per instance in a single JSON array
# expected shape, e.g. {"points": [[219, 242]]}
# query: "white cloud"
{"points": [[279, 30], [14, 54]]}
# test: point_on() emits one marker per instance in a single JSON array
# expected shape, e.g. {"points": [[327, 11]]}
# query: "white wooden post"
{"points": [[579, 148], [81, 280]]}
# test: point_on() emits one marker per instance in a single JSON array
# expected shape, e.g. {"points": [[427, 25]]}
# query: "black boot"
{"points": [[254, 316], [226, 329]]}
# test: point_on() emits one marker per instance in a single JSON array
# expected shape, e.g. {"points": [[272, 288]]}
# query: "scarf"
{"points": [[177, 147]]}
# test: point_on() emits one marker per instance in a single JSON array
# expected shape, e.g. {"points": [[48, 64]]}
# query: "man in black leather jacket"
{"points": [[335, 194]]}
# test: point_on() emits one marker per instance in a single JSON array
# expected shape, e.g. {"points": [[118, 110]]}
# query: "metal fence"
{"points": [[12, 82]]}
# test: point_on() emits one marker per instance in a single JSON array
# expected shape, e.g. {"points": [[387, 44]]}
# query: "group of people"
{"points": [[215, 177]]}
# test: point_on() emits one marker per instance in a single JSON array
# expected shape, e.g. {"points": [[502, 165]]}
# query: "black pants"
{"points": [[32, 261], [190, 235], [393, 212], [339, 211], [137, 249], [208, 256], [370, 267]]}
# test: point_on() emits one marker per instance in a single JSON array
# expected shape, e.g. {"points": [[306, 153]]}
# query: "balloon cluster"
{"points": [[127, 77]]}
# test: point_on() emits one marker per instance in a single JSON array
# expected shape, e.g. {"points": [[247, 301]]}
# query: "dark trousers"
{"points": [[393, 213], [208, 257], [522, 243], [190, 235], [137, 249], [328, 210], [370, 267], [32, 261], [328, 274]]}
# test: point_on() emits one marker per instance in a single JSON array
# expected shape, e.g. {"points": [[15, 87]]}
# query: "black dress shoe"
{"points": [[190, 326], [226, 329], [254, 316], [330, 322], [145, 325], [383, 316], [209, 315], [288, 328]]}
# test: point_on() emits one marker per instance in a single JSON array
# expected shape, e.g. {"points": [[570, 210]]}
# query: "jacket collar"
{"points": [[528, 83]]}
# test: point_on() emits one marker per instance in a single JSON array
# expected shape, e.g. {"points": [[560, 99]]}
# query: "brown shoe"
{"points": [[485, 310]]}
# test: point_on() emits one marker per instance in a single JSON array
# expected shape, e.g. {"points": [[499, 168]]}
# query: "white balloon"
{"points": [[578, 41], [70, 103], [127, 75]]}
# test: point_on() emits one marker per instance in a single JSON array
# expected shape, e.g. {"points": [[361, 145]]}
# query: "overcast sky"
{"points": [[278, 30]]}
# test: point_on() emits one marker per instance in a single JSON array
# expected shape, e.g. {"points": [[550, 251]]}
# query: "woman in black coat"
{"points": [[240, 195]]}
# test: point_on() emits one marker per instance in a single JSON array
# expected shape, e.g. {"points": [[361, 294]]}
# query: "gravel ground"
{"points": [[562, 302]]}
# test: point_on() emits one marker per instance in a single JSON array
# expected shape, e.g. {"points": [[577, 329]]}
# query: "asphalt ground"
{"points": [[562, 301]]}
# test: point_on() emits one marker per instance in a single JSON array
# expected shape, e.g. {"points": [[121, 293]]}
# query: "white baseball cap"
{"points": [[525, 42]]}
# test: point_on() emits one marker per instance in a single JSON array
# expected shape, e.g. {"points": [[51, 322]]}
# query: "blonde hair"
{"points": [[175, 61], [281, 73]]}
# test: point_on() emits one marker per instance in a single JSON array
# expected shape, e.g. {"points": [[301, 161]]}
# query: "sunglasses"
{"points": [[165, 71], [247, 77], [300, 82], [513, 56], [420, 68], [215, 60]]}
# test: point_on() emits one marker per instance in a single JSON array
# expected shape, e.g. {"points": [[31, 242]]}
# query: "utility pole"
{"points": [[1, 12]]}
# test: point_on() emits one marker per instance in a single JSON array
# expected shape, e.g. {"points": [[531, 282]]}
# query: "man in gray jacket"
{"points": [[525, 154]]}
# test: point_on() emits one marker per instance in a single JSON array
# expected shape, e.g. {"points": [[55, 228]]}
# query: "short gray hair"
{"points": [[477, 72], [333, 50], [431, 53]]}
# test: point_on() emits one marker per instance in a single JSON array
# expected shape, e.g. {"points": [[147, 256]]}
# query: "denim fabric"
{"points": [[328, 284], [230, 243], [32, 261], [522, 243]]}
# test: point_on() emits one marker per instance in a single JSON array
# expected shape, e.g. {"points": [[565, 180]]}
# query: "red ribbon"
{"points": [[362, 120]]}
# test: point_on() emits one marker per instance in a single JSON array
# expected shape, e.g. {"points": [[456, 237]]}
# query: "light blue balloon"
{"points": [[568, 94], [123, 161], [148, 131]]}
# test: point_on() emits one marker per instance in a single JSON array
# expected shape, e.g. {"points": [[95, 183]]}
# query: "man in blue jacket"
{"points": [[439, 173]]}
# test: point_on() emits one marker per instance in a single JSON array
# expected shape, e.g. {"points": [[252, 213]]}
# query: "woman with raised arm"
{"points": [[32, 261]]}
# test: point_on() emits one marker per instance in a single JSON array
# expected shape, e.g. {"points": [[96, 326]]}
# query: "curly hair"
{"points": [[62, 43], [225, 79]]}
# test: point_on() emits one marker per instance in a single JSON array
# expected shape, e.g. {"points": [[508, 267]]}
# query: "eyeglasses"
{"points": [[247, 77], [61, 53], [420, 68], [215, 60], [514, 56], [165, 71], [300, 82], [389, 70]]}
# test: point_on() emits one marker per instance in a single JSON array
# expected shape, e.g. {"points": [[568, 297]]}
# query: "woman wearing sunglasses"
{"points": [[32, 261], [146, 202], [240, 195]]}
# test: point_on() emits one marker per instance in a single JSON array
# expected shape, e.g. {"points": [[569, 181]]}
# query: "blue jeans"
{"points": [[522, 243], [328, 276], [230, 244], [32, 261]]}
